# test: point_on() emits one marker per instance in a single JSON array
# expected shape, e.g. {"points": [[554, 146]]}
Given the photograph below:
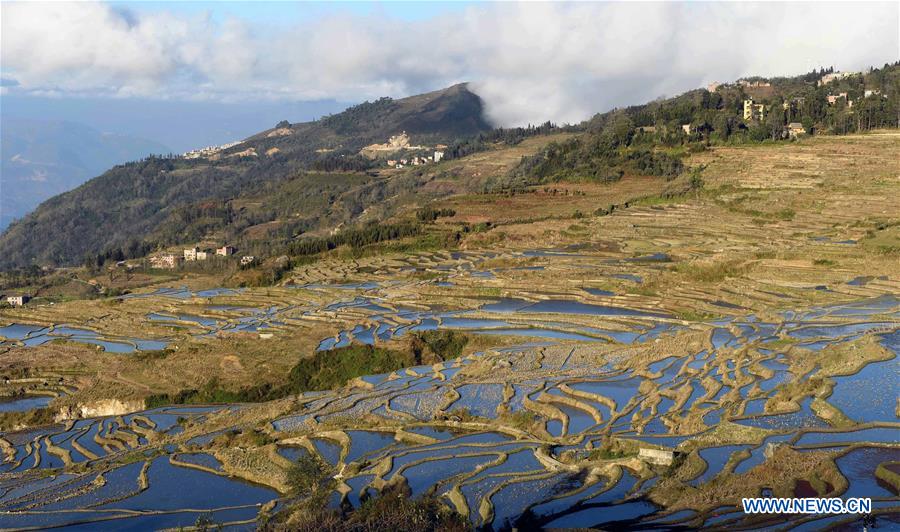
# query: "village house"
{"points": [[828, 78], [391, 162], [208, 150], [754, 111], [195, 253], [871, 92], [18, 301], [247, 259], [165, 261], [833, 98], [687, 129], [713, 87], [225, 251], [795, 129], [745, 83], [438, 155]]}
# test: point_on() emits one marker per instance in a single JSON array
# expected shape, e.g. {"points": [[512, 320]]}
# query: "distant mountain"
{"points": [[305, 176], [180, 125], [41, 159]]}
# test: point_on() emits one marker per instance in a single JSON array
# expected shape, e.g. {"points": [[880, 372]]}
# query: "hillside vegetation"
{"points": [[283, 191], [277, 174], [649, 139]]}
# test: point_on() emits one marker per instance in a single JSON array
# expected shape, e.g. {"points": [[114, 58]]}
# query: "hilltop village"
{"points": [[843, 90], [419, 155]]}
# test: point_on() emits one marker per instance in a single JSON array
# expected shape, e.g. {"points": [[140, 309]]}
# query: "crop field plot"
{"points": [[644, 368]]}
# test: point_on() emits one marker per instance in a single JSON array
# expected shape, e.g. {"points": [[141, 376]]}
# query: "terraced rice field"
{"points": [[759, 353], [514, 433]]}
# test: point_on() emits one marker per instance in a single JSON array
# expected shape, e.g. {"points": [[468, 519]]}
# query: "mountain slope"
{"points": [[43, 158], [175, 200]]}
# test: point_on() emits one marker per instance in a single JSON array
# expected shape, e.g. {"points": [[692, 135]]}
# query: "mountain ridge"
{"points": [[311, 178], [145, 199]]}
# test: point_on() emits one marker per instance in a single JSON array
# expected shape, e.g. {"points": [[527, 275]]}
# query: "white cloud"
{"points": [[530, 62]]}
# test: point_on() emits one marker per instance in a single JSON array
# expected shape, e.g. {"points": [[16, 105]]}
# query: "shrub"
{"points": [[392, 510], [445, 344], [310, 476]]}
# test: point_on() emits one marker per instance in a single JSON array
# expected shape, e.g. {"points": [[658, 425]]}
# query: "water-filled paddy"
{"points": [[24, 403], [859, 465], [676, 385], [869, 395], [32, 336]]}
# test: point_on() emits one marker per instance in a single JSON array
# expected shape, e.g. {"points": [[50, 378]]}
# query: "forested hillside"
{"points": [[296, 181], [649, 139], [165, 200]]}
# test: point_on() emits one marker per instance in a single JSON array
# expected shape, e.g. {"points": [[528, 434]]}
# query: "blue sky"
{"points": [[286, 13]]}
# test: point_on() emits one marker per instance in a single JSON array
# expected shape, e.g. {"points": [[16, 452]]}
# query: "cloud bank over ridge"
{"points": [[530, 62]]}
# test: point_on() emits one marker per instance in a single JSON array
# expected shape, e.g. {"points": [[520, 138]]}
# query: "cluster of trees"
{"points": [[601, 157], [489, 139], [656, 163], [323, 370], [355, 238], [134, 249], [342, 162], [430, 214], [443, 344], [346, 122], [25, 276], [646, 138]]}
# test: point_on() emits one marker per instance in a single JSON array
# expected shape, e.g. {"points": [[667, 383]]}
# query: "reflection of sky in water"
{"points": [[871, 394]]}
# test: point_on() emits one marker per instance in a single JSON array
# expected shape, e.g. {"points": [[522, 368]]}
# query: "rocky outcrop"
{"points": [[104, 407]]}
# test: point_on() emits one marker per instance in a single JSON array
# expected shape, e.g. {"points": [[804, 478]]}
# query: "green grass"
{"points": [[781, 342], [714, 272], [329, 369], [695, 315], [884, 239], [29, 418], [324, 370]]}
